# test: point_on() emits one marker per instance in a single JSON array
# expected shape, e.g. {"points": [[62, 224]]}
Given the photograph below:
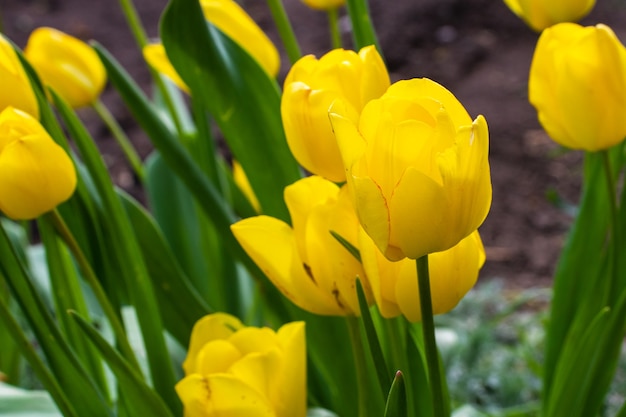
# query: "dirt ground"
{"points": [[476, 48]]}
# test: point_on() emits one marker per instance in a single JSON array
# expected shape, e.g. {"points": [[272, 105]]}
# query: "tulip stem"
{"points": [[285, 30], [333, 23], [614, 220], [121, 138], [430, 343], [89, 275], [134, 22]]}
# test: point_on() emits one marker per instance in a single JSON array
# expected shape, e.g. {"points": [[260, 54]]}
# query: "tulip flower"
{"points": [[541, 14], [233, 370], [453, 273], [231, 19], [36, 174], [310, 88], [578, 86], [67, 65], [305, 262], [324, 4], [15, 88], [417, 168]]}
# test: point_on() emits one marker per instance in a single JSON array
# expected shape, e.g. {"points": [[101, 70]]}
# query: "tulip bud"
{"points": [[15, 88], [417, 168], [541, 14], [324, 4], [305, 262], [67, 65], [36, 174], [231, 369], [310, 88], [453, 273], [578, 86]]}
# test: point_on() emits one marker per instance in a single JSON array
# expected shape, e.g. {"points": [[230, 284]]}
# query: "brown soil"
{"points": [[476, 48]]}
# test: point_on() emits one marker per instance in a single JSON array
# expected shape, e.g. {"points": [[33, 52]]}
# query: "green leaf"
{"points": [[241, 97], [16, 402], [180, 303], [145, 401], [396, 400]]}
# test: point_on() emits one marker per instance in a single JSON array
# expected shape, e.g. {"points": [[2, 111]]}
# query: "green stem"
{"points": [[362, 28], [285, 30], [430, 343], [614, 222], [134, 23], [89, 275], [360, 362], [333, 23], [121, 138]]}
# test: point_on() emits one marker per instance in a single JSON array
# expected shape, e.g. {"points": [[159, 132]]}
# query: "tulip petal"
{"points": [[221, 395], [271, 245], [214, 357], [289, 398], [156, 57], [212, 327], [14, 83]]}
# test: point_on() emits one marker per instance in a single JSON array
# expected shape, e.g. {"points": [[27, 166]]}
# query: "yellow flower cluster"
{"points": [[416, 181]]}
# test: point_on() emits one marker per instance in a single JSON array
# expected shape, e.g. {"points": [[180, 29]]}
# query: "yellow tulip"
{"points": [[233, 370], [15, 88], [66, 64], [310, 88], [417, 168], [578, 86], [324, 4], [394, 284], [231, 19], [541, 14], [306, 263], [36, 174]]}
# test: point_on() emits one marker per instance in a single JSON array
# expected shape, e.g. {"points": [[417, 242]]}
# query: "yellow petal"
{"points": [[271, 245], [156, 57], [215, 356], [217, 326], [289, 395], [66, 64], [221, 395], [15, 89], [324, 4]]}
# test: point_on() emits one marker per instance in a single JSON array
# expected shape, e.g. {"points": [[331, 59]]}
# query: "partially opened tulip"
{"points": [[305, 262], [541, 14], [233, 370], [231, 19], [417, 168], [66, 64], [36, 174], [394, 285], [310, 88], [15, 88], [578, 86]]}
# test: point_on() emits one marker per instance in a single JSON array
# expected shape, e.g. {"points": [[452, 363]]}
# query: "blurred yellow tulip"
{"points": [[305, 262], [233, 370], [231, 19], [541, 14], [310, 88], [578, 86], [36, 174], [66, 64], [324, 4], [15, 88], [453, 273], [417, 168]]}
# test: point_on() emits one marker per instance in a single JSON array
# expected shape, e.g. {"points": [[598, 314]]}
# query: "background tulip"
{"points": [[417, 168], [310, 88], [231, 369], [68, 65], [324, 4], [36, 174], [15, 88], [155, 56], [453, 273], [306, 263], [578, 86], [541, 14]]}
